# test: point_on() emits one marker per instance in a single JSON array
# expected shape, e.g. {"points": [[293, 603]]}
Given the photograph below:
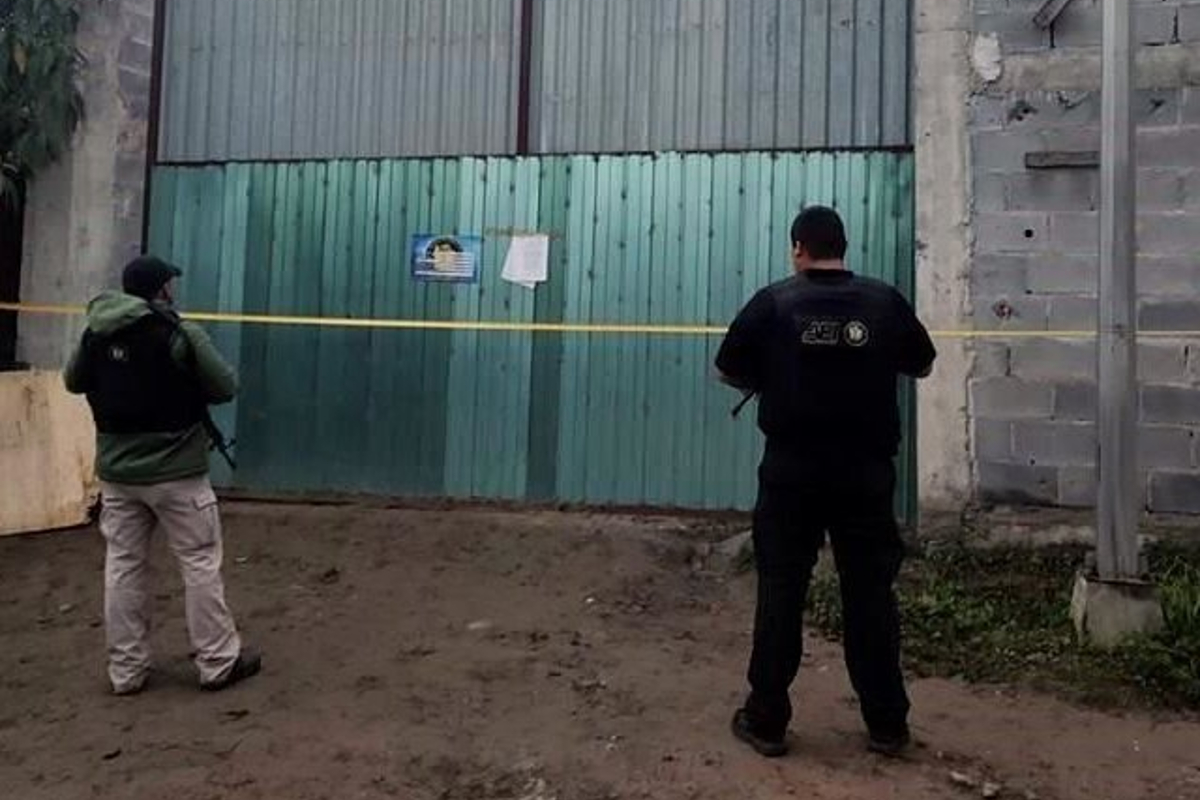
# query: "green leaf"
{"points": [[40, 105]]}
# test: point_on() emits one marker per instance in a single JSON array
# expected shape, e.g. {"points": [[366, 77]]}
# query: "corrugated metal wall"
{"points": [[650, 75], [287, 79], [601, 418]]}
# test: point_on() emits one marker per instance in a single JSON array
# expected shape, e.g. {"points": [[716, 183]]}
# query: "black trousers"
{"points": [[799, 503]]}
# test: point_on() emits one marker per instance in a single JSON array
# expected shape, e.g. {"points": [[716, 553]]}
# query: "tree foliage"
{"points": [[40, 102]]}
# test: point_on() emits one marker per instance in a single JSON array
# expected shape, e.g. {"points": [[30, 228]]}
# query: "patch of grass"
{"points": [[1003, 616], [1180, 590]]}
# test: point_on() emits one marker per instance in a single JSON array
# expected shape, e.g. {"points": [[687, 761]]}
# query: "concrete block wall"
{"points": [[1034, 262], [83, 218]]}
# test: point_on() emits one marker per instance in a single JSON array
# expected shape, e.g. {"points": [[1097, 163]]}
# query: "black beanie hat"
{"points": [[145, 276]]}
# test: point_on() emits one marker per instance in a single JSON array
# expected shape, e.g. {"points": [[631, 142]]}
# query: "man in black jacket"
{"points": [[823, 351]]}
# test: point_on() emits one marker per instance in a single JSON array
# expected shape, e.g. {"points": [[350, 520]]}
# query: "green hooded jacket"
{"points": [[145, 458]]}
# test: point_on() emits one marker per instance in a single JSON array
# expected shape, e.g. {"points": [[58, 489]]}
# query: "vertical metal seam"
{"points": [[777, 72], [801, 38], [157, 47], [828, 88], [525, 79]]}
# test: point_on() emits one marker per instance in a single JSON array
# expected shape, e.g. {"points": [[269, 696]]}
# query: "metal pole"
{"points": [[158, 45], [1116, 540], [525, 80]]}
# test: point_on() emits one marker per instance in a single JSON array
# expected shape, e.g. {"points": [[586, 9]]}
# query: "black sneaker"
{"points": [[891, 745], [764, 746], [248, 664]]}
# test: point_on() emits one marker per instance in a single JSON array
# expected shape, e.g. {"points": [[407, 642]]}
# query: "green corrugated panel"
{"points": [[434, 191], [572, 438], [905, 277], [253, 427], [546, 398], [289, 408], [599, 418]]}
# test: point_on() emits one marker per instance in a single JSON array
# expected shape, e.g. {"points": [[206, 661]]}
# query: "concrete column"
{"points": [[941, 90], [84, 214]]}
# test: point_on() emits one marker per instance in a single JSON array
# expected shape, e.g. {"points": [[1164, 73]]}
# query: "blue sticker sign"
{"points": [[446, 259]]}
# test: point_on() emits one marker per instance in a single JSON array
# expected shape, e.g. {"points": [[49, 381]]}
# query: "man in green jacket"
{"points": [[149, 378]]}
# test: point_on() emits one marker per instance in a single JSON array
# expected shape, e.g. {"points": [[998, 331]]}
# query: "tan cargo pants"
{"points": [[186, 512]]}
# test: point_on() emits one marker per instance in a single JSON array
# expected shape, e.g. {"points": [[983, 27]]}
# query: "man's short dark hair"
{"points": [[819, 230]]}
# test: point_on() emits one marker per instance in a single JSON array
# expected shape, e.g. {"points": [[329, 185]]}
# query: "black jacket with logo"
{"points": [[136, 386], [823, 350]]}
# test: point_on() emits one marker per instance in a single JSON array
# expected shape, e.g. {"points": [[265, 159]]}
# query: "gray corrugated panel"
{"points": [[281, 79], [287, 79], [633, 75]]}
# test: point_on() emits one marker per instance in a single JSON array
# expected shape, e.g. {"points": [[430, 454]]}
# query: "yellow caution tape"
{"points": [[550, 327]]}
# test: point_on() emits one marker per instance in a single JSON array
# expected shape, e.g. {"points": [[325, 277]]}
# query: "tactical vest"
{"points": [[136, 386]]}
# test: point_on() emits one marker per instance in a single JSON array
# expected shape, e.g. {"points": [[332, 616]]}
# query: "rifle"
{"points": [[745, 399], [217, 439], [216, 436]]}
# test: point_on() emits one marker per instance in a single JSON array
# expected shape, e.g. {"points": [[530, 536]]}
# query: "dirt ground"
{"points": [[487, 655]]}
